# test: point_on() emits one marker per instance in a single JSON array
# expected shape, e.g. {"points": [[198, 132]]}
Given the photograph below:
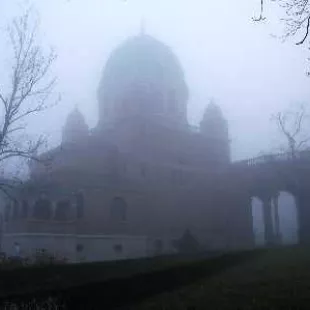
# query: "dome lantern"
{"points": [[75, 127], [214, 127]]}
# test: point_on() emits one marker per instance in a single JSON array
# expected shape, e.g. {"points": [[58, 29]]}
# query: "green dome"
{"points": [[141, 76]]}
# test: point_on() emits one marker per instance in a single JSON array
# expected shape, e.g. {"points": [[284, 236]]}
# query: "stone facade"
{"points": [[142, 171], [77, 248]]}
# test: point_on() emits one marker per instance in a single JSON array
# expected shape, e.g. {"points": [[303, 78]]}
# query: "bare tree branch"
{"points": [[291, 125], [29, 90], [302, 142], [306, 34], [297, 18], [261, 15], [299, 116]]}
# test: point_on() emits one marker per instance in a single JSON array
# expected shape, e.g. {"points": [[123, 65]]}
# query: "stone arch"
{"points": [[285, 218], [119, 210], [15, 210], [258, 220], [62, 210], [7, 211], [42, 209]]}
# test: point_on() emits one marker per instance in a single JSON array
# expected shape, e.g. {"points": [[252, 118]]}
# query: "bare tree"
{"points": [[261, 15], [27, 93], [296, 20], [292, 126]]}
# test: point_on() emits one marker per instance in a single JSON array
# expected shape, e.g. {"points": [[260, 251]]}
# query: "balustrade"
{"points": [[273, 158]]}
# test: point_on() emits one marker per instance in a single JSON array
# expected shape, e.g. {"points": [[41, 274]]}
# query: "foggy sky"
{"points": [[224, 54]]}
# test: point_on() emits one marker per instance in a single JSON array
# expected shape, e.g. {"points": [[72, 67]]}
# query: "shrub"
{"points": [[187, 244]]}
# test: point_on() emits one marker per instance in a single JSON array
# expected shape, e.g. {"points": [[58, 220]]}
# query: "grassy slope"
{"points": [[274, 279], [279, 279], [89, 285], [28, 279]]}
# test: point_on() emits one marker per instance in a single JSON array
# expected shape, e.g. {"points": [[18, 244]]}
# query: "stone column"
{"points": [[303, 209], [251, 221], [267, 212], [276, 219]]}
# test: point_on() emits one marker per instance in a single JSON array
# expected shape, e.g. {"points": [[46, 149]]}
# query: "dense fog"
{"points": [[225, 54], [241, 64]]}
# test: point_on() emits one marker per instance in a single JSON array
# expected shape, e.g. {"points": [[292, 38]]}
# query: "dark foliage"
{"points": [[187, 243]]}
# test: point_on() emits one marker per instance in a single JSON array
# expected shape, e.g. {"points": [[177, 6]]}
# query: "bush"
{"points": [[187, 244], [45, 258], [38, 259]]}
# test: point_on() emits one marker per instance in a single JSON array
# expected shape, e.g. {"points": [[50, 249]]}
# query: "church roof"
{"points": [[146, 67], [141, 55]]}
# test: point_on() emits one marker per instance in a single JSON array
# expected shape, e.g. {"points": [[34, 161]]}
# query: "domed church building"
{"points": [[134, 184]]}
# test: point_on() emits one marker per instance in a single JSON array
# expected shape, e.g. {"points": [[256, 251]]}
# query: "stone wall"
{"points": [[77, 248]]}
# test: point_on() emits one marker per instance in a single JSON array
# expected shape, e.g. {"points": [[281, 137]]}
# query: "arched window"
{"points": [[118, 210], [62, 211], [156, 99], [25, 207], [7, 212], [42, 209], [79, 198], [173, 102], [15, 210]]}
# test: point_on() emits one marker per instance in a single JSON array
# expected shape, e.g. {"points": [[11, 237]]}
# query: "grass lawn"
{"points": [[27, 279], [268, 279], [277, 279], [110, 284]]}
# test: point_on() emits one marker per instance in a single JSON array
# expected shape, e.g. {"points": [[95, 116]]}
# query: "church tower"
{"points": [[214, 128], [75, 128]]}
